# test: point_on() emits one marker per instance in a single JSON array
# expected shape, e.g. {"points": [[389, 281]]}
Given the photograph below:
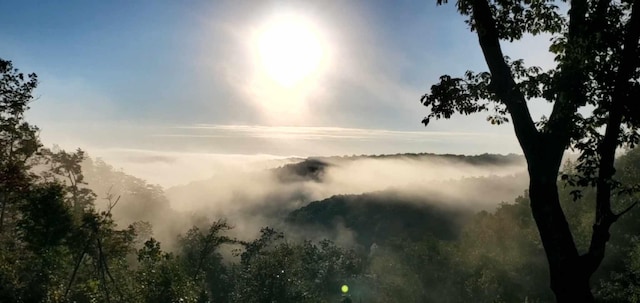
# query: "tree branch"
{"points": [[626, 210], [577, 18], [502, 81], [572, 79], [75, 270], [600, 16], [609, 144]]}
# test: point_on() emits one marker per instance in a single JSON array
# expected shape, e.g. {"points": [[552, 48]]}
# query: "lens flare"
{"points": [[344, 289]]}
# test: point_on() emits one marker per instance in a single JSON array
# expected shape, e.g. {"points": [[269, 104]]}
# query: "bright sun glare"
{"points": [[289, 50]]}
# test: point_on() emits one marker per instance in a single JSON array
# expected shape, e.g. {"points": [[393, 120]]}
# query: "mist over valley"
{"points": [[250, 200]]}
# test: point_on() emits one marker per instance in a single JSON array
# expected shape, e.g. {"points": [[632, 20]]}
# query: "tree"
{"points": [[161, 276], [66, 168], [597, 70], [18, 139], [202, 260], [44, 224]]}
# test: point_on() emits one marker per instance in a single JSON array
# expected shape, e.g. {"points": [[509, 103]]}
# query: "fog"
{"points": [[253, 199], [249, 195]]}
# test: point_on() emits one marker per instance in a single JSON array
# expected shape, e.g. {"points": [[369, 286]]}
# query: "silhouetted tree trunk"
{"points": [[569, 281]]}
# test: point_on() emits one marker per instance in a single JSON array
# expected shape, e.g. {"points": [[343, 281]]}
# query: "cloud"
{"points": [[315, 133], [328, 141]]}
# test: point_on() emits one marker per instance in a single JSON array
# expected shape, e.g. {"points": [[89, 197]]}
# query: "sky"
{"points": [[169, 90]]}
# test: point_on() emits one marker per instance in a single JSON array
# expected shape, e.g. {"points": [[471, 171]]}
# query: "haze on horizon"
{"points": [[172, 93]]}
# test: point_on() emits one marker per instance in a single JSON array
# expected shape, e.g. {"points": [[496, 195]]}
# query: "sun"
{"points": [[289, 50], [290, 64]]}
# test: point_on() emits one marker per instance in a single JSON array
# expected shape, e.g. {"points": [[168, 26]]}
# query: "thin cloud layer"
{"points": [[316, 133]]}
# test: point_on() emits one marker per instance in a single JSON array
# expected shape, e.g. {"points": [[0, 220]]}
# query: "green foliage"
{"points": [[201, 261], [501, 256], [46, 220], [66, 168], [274, 270], [160, 277], [516, 18], [624, 285]]}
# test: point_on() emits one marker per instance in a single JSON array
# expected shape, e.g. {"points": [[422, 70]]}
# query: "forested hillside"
{"points": [[400, 247]]}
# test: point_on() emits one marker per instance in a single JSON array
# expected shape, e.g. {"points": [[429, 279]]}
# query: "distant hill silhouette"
{"points": [[312, 169]]}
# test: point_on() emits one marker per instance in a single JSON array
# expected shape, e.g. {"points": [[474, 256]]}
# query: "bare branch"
{"points": [[112, 204]]}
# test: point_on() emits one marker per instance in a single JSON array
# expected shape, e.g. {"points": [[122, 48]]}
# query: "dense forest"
{"points": [[74, 229]]}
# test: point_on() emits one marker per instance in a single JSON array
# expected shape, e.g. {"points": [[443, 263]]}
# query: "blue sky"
{"points": [[178, 77]]}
